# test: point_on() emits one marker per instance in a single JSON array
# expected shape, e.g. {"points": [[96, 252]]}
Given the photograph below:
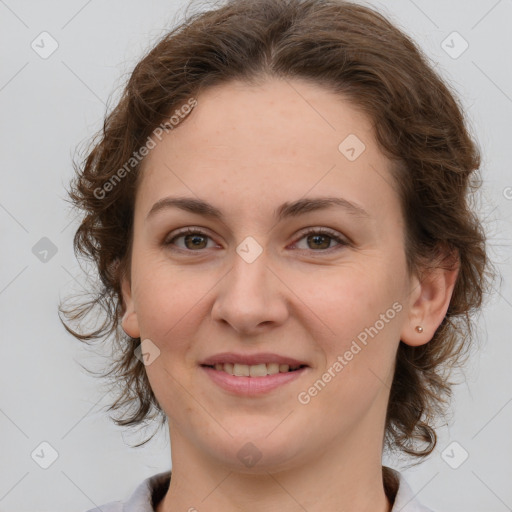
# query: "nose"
{"points": [[251, 297]]}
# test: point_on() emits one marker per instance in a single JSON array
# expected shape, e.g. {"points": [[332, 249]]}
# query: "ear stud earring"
{"points": [[419, 328]]}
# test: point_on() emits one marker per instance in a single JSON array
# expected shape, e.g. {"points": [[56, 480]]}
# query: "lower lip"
{"points": [[250, 386]]}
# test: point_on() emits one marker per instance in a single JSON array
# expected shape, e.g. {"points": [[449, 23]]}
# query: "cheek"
{"points": [[167, 301], [359, 345], [344, 300]]}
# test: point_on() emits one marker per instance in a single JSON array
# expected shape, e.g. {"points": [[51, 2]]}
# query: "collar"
{"points": [[153, 489]]}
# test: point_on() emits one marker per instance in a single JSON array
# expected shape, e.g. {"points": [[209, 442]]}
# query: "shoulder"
{"points": [[149, 492], [405, 498]]}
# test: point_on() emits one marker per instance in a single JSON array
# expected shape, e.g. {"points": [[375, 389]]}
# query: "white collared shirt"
{"points": [[142, 498]]}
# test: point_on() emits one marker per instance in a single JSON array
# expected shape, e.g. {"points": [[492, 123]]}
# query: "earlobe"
{"points": [[129, 322], [430, 300]]}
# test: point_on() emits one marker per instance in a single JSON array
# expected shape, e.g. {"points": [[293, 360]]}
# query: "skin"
{"points": [[246, 150]]}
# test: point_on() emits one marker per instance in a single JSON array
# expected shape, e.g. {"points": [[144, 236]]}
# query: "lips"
{"points": [[251, 386], [251, 359]]}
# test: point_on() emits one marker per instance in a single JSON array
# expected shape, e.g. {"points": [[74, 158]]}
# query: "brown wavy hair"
{"points": [[419, 124]]}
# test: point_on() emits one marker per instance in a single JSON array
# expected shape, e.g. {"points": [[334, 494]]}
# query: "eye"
{"points": [[192, 238], [321, 239]]}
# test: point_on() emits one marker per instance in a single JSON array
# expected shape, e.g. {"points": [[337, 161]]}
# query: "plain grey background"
{"points": [[51, 105]]}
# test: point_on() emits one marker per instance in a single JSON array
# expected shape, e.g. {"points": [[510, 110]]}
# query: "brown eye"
{"points": [[192, 240], [319, 240]]}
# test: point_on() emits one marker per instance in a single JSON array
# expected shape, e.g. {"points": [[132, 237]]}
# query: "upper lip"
{"points": [[251, 359]]}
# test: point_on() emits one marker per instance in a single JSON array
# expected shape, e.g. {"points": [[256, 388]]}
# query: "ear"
{"points": [[130, 322], [429, 301]]}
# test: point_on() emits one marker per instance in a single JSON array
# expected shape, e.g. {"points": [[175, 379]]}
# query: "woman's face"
{"points": [[254, 281]]}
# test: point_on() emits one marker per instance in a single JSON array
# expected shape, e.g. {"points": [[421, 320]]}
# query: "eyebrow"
{"points": [[286, 210]]}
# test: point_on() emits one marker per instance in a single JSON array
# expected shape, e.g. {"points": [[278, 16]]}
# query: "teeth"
{"points": [[242, 370], [255, 370]]}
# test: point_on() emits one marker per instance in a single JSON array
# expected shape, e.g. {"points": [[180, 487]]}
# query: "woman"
{"points": [[278, 211]]}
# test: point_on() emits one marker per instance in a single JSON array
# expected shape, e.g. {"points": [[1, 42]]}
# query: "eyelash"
{"points": [[317, 231]]}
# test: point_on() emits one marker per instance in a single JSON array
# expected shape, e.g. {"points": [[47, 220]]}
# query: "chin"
{"points": [[258, 450]]}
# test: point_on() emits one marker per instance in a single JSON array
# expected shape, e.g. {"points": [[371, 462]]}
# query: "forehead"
{"points": [[274, 142]]}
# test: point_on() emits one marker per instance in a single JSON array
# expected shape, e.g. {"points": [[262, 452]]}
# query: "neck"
{"points": [[341, 480]]}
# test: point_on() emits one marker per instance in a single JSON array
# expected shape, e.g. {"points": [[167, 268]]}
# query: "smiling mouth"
{"points": [[256, 370]]}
